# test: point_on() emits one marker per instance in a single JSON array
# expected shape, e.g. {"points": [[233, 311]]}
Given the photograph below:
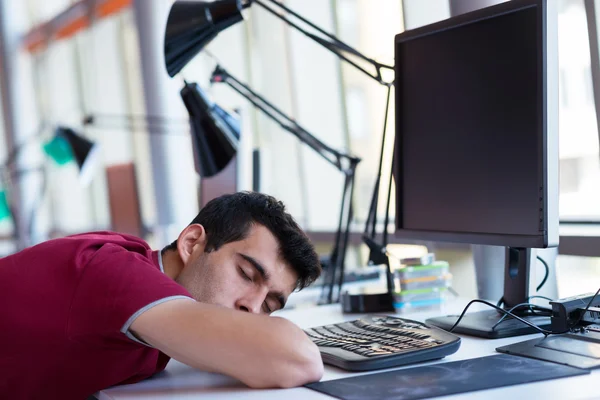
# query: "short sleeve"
{"points": [[115, 287]]}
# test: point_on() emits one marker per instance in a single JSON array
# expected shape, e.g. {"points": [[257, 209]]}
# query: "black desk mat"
{"points": [[445, 379], [569, 349]]}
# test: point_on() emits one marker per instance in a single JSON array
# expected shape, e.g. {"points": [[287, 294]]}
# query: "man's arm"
{"points": [[260, 351]]}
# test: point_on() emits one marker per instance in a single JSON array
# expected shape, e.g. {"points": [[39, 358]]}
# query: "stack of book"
{"points": [[421, 283]]}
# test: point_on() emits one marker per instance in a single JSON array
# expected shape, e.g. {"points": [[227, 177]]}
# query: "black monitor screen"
{"points": [[470, 122]]}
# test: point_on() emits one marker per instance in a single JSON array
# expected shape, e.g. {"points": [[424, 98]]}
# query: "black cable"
{"points": [[541, 330], [545, 276], [539, 297], [535, 310], [529, 306]]}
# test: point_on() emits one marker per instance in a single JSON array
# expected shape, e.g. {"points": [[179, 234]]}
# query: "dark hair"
{"points": [[228, 218]]}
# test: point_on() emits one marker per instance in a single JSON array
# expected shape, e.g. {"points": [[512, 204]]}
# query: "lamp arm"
{"points": [[16, 150], [372, 216], [378, 254], [12, 156], [149, 124], [331, 43], [92, 119], [341, 161]]}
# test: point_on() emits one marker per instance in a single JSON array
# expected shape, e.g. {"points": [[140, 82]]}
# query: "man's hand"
{"points": [[260, 351]]}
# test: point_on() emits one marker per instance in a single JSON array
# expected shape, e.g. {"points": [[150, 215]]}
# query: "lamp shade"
{"points": [[67, 145], [215, 132], [192, 25]]}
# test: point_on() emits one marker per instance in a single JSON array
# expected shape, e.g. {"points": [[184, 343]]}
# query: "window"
{"points": [[578, 130], [372, 32], [40, 11], [93, 70], [577, 275]]}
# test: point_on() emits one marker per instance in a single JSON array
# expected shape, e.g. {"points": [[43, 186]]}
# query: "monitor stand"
{"points": [[516, 291]]}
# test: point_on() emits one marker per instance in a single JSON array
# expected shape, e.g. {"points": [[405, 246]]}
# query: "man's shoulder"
{"points": [[78, 250], [108, 237], [114, 246], [93, 241]]}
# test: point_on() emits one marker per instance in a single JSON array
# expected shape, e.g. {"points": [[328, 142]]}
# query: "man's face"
{"points": [[247, 275]]}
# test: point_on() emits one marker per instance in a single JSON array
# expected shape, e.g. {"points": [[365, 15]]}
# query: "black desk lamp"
{"points": [[215, 132], [192, 25], [342, 161]]}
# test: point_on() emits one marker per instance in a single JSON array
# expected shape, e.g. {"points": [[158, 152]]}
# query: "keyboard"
{"points": [[376, 342]]}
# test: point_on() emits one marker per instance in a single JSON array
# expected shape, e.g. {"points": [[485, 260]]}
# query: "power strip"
{"points": [[565, 312]]}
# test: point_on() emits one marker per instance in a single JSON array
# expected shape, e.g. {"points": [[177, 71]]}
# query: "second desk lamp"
{"points": [[192, 25]]}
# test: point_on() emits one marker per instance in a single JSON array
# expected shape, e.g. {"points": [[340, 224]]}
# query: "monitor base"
{"points": [[481, 324]]}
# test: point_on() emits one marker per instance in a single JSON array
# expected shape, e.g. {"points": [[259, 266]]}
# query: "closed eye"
{"points": [[271, 305], [244, 275], [267, 308]]}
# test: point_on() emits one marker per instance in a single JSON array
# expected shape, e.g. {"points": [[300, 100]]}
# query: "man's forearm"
{"points": [[260, 351]]}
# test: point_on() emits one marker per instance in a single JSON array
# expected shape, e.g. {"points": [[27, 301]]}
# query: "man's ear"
{"points": [[191, 239]]}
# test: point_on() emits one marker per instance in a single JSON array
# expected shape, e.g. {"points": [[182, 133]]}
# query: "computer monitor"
{"points": [[476, 147]]}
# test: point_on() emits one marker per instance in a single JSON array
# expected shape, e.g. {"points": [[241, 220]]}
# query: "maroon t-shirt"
{"points": [[65, 309]]}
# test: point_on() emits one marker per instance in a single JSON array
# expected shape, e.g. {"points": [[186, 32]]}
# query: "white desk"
{"points": [[180, 382]]}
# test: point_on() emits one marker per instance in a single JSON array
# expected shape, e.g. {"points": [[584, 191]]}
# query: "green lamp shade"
{"points": [[66, 145], [59, 149]]}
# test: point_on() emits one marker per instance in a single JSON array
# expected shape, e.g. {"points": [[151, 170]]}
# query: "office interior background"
{"points": [[63, 60]]}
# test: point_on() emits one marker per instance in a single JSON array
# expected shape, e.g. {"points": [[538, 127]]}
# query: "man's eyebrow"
{"points": [[265, 275], [257, 266]]}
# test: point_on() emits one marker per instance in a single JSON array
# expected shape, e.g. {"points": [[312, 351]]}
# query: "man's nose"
{"points": [[249, 304]]}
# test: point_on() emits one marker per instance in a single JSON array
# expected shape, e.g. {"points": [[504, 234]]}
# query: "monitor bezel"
{"points": [[547, 134]]}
